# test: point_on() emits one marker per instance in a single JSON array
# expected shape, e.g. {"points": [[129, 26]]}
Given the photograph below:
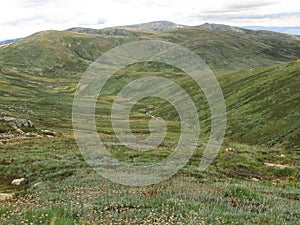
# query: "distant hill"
{"points": [[9, 41], [222, 48], [254, 30], [285, 30], [157, 26], [222, 27], [55, 50], [113, 31], [161, 26]]}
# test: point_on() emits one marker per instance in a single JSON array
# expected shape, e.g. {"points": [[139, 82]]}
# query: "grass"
{"points": [[61, 187]]}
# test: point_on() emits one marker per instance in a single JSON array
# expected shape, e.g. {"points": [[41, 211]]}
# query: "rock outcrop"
{"points": [[12, 129]]}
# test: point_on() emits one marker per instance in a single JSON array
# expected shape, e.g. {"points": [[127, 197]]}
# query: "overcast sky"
{"points": [[20, 18]]}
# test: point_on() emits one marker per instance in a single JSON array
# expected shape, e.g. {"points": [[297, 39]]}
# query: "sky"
{"points": [[20, 18]]}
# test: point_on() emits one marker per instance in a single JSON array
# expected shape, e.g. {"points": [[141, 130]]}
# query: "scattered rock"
{"points": [[16, 123], [254, 179], [13, 129], [230, 150], [49, 132], [279, 166], [19, 123], [6, 196], [37, 184], [34, 135], [18, 182], [20, 131]]}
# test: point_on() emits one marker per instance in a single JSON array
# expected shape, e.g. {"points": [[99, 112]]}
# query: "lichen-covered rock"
{"points": [[17, 122], [12, 129]]}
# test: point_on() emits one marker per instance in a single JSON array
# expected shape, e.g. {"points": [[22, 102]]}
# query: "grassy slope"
{"points": [[51, 51], [51, 62], [224, 50], [262, 109], [263, 105], [60, 187], [40, 73]]}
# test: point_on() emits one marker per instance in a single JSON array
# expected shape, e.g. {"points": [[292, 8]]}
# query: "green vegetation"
{"points": [[61, 187], [254, 179], [266, 114]]}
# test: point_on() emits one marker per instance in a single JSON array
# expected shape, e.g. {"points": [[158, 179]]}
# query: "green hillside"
{"points": [[43, 70], [49, 51], [225, 50], [221, 50], [263, 105]]}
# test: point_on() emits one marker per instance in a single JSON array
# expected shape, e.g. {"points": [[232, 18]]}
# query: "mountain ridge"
{"points": [[163, 26], [155, 26], [5, 42], [220, 49]]}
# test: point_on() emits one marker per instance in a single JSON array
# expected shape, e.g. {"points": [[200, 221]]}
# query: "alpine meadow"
{"points": [[253, 180]]}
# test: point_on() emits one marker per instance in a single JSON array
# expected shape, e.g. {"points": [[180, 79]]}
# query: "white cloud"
{"points": [[20, 18]]}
